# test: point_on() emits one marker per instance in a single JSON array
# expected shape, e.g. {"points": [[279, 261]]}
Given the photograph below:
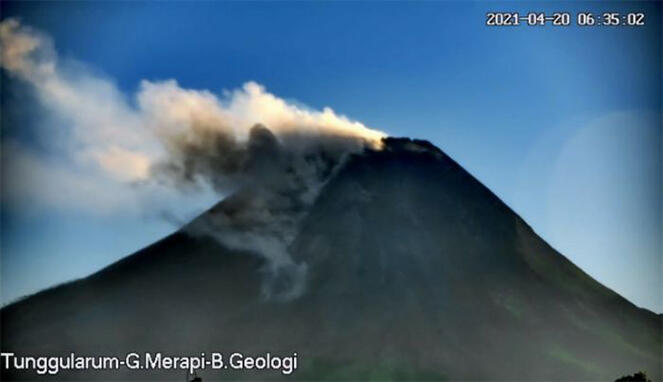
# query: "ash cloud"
{"points": [[267, 157]]}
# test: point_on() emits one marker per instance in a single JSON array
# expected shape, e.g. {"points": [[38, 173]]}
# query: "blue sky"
{"points": [[563, 124]]}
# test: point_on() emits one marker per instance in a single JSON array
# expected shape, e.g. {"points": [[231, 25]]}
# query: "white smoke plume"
{"points": [[273, 156]]}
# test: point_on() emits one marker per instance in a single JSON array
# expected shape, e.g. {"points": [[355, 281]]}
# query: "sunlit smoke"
{"points": [[275, 155]]}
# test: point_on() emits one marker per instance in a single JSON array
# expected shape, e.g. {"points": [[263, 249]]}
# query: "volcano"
{"points": [[413, 270]]}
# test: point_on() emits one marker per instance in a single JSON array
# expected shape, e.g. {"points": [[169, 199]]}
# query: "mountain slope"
{"points": [[415, 271]]}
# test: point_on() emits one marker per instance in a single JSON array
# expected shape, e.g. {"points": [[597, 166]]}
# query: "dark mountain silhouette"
{"points": [[415, 271]]}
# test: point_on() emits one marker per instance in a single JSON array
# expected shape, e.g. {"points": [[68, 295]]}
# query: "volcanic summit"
{"points": [[403, 267]]}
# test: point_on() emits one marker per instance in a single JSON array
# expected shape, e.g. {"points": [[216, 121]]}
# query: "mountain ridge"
{"points": [[414, 270]]}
